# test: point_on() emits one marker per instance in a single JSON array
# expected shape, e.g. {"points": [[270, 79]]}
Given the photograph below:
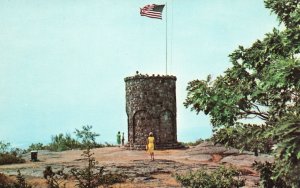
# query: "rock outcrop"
{"points": [[142, 172]]}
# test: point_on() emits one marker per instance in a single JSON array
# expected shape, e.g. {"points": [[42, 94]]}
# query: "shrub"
{"points": [[63, 142], [55, 179], [10, 157], [89, 176], [17, 152], [110, 179], [197, 142], [21, 182], [93, 176], [6, 182], [220, 178], [106, 144], [7, 158]]}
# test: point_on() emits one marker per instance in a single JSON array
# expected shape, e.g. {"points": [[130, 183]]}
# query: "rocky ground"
{"points": [[136, 165]]}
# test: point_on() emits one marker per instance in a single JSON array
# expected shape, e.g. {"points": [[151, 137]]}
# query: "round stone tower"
{"points": [[151, 107]]}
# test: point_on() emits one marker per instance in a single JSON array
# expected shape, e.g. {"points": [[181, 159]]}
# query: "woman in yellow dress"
{"points": [[150, 145]]}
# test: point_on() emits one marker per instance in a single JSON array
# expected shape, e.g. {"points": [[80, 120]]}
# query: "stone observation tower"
{"points": [[151, 107]]}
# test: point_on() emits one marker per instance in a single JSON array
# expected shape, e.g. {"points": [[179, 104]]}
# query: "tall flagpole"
{"points": [[166, 39], [171, 36]]}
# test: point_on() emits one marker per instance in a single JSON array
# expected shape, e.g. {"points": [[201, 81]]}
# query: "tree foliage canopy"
{"points": [[263, 82], [88, 137]]}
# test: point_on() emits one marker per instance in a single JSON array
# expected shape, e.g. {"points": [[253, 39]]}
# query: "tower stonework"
{"points": [[151, 107]]}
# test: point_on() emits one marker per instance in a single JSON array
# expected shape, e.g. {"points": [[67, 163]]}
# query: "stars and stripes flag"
{"points": [[152, 11]]}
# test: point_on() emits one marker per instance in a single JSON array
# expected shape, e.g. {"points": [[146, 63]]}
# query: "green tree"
{"points": [[90, 176], [87, 136], [4, 146], [93, 175], [263, 83], [37, 146]]}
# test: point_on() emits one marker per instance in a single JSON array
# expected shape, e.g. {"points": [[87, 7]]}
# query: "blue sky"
{"points": [[63, 62]]}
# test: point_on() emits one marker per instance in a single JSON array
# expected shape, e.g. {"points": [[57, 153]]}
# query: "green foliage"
{"points": [[249, 137], [37, 146], [88, 177], [87, 136], [220, 178], [263, 83], [287, 11], [197, 142], [287, 152], [63, 142], [266, 180], [4, 146]]}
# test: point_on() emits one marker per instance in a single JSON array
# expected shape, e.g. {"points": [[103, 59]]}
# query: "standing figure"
{"points": [[150, 145], [119, 138], [123, 139]]}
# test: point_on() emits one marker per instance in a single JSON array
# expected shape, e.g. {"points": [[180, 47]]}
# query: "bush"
{"points": [[106, 144], [110, 179], [6, 182], [220, 178], [7, 158], [197, 142], [89, 176], [63, 142], [93, 176], [10, 157], [21, 182], [55, 179], [17, 152]]}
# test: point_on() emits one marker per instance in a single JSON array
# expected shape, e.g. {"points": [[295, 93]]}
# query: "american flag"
{"points": [[152, 11]]}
